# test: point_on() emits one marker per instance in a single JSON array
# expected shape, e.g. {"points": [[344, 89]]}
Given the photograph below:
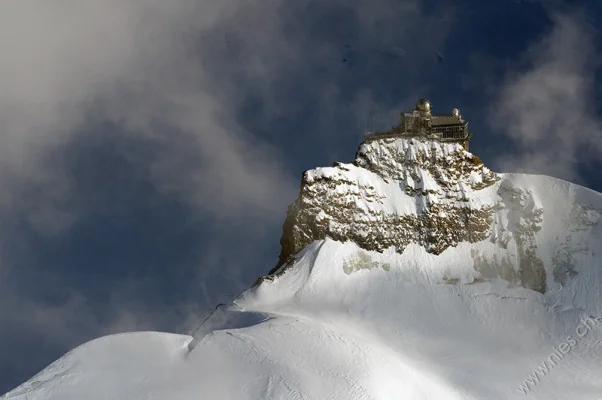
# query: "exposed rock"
{"points": [[580, 220], [362, 260], [397, 192], [524, 222], [402, 191]]}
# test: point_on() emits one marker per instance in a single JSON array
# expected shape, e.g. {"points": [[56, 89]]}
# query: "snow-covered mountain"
{"points": [[413, 273]]}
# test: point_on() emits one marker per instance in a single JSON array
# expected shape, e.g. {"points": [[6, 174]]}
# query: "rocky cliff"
{"points": [[400, 191]]}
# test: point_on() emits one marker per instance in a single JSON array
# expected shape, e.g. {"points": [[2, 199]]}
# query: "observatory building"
{"points": [[421, 122]]}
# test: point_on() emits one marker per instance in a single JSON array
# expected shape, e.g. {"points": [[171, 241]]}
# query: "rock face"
{"points": [[397, 191], [402, 191]]}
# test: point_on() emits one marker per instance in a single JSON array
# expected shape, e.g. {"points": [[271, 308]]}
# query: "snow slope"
{"points": [[342, 322]]}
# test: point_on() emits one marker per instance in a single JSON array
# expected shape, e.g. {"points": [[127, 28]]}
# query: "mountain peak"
{"points": [[397, 191], [399, 273], [414, 183]]}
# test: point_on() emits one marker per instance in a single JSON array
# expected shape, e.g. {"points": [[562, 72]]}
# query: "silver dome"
{"points": [[424, 106]]}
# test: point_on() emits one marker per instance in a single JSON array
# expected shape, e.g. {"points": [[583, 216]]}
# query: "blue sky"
{"points": [[149, 149]]}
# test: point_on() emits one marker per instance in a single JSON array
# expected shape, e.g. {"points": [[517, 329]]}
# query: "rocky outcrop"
{"points": [[523, 221], [573, 245], [401, 191], [396, 192]]}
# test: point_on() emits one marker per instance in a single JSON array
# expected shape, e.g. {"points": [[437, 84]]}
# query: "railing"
{"points": [[383, 135], [451, 133], [445, 136]]}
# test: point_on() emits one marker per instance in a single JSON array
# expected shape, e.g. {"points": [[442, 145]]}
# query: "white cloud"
{"points": [[136, 63], [548, 109]]}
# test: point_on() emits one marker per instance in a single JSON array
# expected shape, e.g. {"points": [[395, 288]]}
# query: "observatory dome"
{"points": [[424, 107]]}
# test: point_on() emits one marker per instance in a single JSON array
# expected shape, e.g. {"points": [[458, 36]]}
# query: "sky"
{"points": [[149, 149]]}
